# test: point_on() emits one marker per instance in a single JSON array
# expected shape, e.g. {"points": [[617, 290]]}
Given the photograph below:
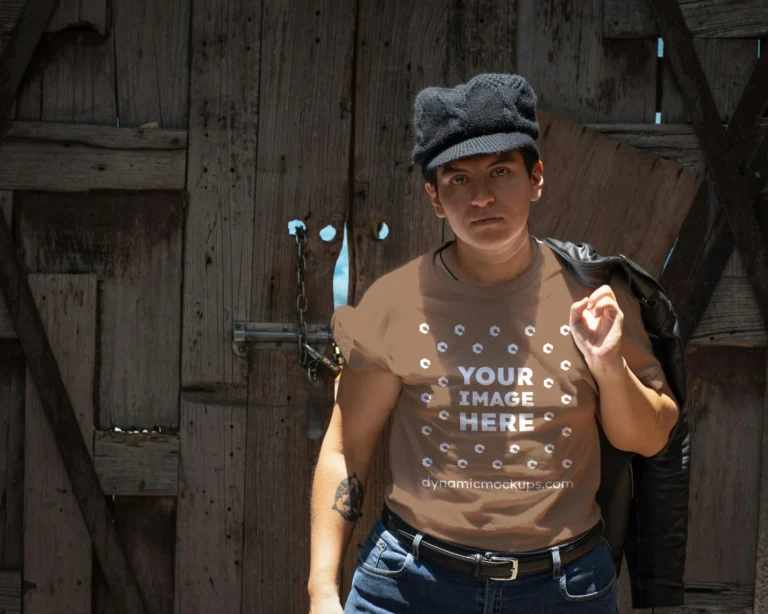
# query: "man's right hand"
{"points": [[326, 604]]}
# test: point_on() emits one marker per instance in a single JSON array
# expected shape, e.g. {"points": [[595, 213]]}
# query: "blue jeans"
{"points": [[388, 579]]}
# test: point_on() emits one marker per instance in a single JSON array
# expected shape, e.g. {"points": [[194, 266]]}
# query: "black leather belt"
{"points": [[481, 563]]}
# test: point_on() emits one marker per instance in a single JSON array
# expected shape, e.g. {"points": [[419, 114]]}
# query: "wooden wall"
{"points": [[158, 151]]}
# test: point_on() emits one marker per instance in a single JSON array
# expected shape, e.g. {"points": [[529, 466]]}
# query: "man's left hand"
{"points": [[596, 324]]}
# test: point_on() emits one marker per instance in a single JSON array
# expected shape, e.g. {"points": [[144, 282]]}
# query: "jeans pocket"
{"points": [[590, 576], [383, 555]]}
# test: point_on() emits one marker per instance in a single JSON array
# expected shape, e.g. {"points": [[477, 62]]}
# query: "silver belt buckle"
{"points": [[514, 568]]}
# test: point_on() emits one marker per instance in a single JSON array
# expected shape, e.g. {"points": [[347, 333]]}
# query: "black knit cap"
{"points": [[490, 113]]}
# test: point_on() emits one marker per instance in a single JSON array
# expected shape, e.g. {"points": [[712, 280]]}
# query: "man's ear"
{"points": [[435, 198], [537, 180]]}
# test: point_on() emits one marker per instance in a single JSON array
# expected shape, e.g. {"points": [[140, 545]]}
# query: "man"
{"points": [[495, 365]]}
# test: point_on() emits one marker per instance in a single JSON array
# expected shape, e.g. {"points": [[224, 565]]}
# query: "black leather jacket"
{"points": [[644, 500]]}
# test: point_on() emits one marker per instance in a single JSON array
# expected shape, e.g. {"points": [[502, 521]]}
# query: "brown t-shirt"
{"points": [[494, 442]]}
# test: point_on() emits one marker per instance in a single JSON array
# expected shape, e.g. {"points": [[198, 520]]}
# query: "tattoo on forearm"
{"points": [[349, 498]]}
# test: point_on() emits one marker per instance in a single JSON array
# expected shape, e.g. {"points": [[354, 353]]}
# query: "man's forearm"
{"points": [[337, 499], [634, 417]]}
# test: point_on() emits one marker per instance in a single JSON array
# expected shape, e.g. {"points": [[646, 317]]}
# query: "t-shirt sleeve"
{"points": [[636, 346], [360, 332]]}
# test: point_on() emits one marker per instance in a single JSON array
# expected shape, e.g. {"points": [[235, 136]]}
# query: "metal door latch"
{"points": [[272, 335]]}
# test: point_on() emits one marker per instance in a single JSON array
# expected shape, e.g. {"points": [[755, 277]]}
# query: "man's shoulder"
{"points": [[399, 281]]}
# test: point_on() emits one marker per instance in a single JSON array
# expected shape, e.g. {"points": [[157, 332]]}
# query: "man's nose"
{"points": [[483, 196]]}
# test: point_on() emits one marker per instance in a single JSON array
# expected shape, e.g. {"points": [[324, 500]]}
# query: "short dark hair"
{"points": [[530, 158]]}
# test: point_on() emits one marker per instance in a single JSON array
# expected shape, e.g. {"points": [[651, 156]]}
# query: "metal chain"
{"points": [[301, 307], [308, 356]]}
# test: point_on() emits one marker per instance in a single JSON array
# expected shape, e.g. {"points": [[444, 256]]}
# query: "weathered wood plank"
{"points": [[6, 325], [218, 259], [726, 389], [624, 590], [12, 428], [761, 558], [80, 13], [71, 79], [141, 464], [209, 545], [133, 242], [68, 13], [10, 11], [480, 36], [711, 18], [78, 78], [643, 187], [152, 62], [290, 170], [732, 317], [10, 591], [12, 369], [6, 206], [727, 65], [67, 157], [222, 162], [17, 51], [102, 138], [6, 210], [147, 527], [54, 530], [714, 598], [578, 75]]}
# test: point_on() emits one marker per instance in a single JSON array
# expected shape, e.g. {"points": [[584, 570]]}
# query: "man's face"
{"points": [[483, 186]]}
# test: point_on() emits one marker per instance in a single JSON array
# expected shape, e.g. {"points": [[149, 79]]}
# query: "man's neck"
{"points": [[479, 268]]}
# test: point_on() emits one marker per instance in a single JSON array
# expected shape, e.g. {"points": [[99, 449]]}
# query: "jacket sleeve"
{"points": [[658, 525]]}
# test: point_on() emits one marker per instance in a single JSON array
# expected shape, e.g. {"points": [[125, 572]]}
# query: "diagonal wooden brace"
{"points": [[41, 361], [706, 240], [69, 439]]}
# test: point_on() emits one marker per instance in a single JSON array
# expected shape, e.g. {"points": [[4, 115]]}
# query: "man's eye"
{"points": [[453, 181], [501, 168]]}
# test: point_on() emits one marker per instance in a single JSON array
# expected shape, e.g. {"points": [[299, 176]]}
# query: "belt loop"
{"points": [[478, 558], [415, 545], [555, 561]]}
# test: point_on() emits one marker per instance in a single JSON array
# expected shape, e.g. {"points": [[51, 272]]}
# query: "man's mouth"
{"points": [[487, 220]]}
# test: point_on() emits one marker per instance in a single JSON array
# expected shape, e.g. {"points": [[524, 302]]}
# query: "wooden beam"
{"points": [[710, 18], [19, 48], [694, 264], [55, 400], [64, 157], [137, 463], [676, 142]]}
